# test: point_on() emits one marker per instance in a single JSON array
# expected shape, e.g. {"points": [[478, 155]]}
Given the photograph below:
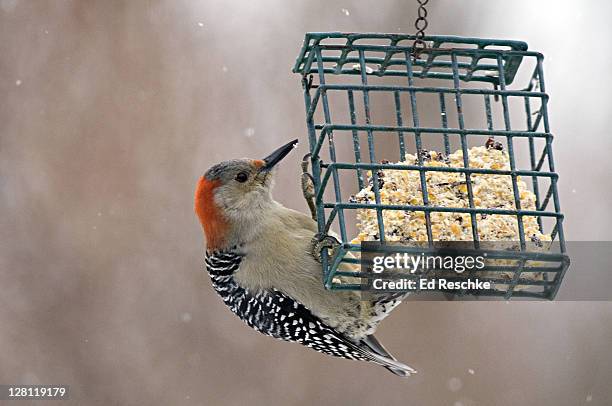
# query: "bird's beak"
{"points": [[278, 155]]}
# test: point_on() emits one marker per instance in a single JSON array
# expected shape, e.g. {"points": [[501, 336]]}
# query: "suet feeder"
{"points": [[365, 92]]}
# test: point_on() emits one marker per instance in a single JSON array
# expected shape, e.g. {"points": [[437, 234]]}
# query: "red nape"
{"points": [[210, 215]]}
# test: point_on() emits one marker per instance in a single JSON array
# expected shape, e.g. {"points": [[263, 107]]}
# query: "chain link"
{"points": [[419, 45]]}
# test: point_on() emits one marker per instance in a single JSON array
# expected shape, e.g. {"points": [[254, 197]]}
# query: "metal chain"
{"points": [[419, 45]]}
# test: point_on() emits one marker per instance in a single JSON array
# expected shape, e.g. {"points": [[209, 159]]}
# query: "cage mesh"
{"points": [[371, 102]]}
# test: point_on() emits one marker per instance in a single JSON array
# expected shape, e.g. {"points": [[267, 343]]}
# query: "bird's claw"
{"points": [[321, 242], [308, 187]]}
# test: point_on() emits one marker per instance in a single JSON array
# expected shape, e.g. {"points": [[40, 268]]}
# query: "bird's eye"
{"points": [[242, 177]]}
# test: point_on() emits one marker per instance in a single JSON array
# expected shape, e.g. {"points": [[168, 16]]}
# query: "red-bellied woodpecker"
{"points": [[260, 258]]}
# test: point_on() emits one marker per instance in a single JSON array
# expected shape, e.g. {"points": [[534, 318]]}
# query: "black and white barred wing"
{"points": [[275, 314]]}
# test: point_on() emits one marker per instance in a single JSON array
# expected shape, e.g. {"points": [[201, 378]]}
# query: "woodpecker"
{"points": [[259, 255]]}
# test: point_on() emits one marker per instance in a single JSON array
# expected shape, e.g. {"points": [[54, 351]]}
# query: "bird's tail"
{"points": [[382, 357], [404, 371], [395, 366]]}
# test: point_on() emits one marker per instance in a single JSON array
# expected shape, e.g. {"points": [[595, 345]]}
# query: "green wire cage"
{"points": [[369, 100]]}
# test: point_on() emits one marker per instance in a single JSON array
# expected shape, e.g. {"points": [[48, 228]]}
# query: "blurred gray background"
{"points": [[110, 112]]}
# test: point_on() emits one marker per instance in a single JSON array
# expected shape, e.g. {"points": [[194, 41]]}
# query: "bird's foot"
{"points": [[321, 242], [308, 187]]}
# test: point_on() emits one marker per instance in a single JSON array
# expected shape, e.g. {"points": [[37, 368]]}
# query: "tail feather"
{"points": [[404, 372], [382, 357]]}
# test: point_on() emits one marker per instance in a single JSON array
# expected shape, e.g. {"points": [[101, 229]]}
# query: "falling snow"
{"points": [[18, 82], [200, 24], [346, 12], [471, 371], [249, 132], [224, 69], [454, 384]]}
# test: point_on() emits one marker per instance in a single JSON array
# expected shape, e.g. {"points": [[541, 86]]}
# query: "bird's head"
{"points": [[233, 195]]}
